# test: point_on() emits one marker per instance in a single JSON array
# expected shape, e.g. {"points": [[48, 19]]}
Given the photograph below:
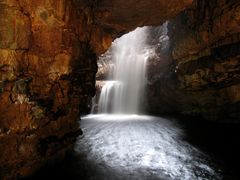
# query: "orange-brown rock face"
{"points": [[46, 78], [48, 53], [117, 17]]}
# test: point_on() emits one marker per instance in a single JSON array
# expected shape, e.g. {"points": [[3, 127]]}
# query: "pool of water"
{"points": [[128, 147]]}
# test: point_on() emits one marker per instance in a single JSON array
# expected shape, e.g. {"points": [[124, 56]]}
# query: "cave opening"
{"points": [[172, 115]]}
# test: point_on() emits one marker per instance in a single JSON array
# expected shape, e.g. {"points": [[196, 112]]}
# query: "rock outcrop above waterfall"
{"points": [[48, 52], [203, 77]]}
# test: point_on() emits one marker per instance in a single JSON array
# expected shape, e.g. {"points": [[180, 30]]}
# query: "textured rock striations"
{"points": [[48, 51], [204, 78], [46, 77]]}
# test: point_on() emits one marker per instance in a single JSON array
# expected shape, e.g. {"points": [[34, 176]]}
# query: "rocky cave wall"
{"points": [[48, 52], [202, 77], [47, 75]]}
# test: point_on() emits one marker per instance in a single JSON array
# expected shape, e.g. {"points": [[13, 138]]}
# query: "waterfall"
{"points": [[105, 103], [125, 93]]}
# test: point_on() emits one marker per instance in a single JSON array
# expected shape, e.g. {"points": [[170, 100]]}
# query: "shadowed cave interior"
{"points": [[119, 90]]}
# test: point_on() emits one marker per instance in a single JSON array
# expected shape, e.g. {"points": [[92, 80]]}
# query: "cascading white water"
{"points": [[105, 97], [124, 94]]}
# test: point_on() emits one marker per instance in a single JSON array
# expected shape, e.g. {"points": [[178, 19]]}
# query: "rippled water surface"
{"points": [[150, 148], [140, 147]]}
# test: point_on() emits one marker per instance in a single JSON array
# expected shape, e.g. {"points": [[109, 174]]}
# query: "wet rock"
{"points": [[20, 86], [203, 77], [15, 30], [38, 112]]}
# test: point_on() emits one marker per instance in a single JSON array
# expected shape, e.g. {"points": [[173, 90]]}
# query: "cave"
{"points": [[61, 60]]}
